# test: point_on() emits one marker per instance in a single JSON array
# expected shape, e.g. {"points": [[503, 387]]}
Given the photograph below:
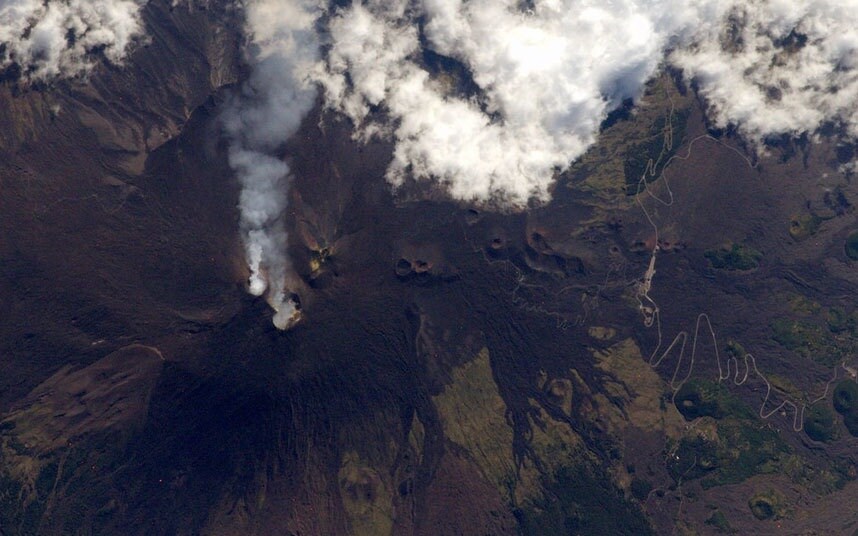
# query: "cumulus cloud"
{"points": [[60, 37], [282, 48], [543, 75], [549, 72], [778, 67], [548, 77]]}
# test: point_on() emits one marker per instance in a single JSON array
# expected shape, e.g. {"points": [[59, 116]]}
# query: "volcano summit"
{"points": [[428, 267]]}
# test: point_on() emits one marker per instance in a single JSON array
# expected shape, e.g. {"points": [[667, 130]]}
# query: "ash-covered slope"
{"points": [[120, 226], [90, 249], [456, 371], [111, 234]]}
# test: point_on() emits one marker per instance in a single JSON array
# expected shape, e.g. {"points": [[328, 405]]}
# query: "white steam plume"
{"points": [[547, 73], [283, 46], [58, 38]]}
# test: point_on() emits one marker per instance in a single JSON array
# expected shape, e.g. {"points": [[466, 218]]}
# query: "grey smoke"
{"points": [[282, 47], [548, 76]]}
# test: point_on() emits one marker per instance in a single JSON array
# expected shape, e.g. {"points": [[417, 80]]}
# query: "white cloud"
{"points": [[549, 76], [546, 77], [57, 38], [790, 67]]}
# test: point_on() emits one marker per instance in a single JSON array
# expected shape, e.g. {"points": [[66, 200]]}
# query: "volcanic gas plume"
{"points": [[282, 46], [547, 75], [543, 76], [549, 71]]}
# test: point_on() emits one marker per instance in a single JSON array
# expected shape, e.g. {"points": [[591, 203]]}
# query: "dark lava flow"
{"points": [[252, 396], [398, 289]]}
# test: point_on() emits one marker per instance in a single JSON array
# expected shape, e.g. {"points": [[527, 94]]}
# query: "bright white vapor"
{"points": [[547, 76], [550, 73], [546, 73], [282, 47], [58, 37], [779, 66]]}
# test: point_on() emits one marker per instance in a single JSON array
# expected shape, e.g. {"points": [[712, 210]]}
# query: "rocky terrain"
{"points": [[457, 370]]}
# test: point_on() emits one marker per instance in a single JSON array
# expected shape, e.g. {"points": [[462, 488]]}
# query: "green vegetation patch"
{"points": [[693, 458], [852, 245], [838, 321], [746, 448], [727, 451], [703, 398], [846, 403], [819, 423], [647, 159], [818, 480], [846, 396], [824, 334], [804, 226], [641, 488], [810, 341], [768, 505], [735, 257], [842, 323], [736, 350], [583, 500], [803, 305], [794, 335], [719, 522]]}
